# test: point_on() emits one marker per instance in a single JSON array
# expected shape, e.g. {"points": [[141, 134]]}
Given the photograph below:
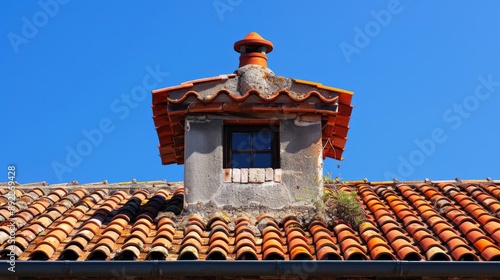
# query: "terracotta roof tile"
{"points": [[448, 221], [222, 95]]}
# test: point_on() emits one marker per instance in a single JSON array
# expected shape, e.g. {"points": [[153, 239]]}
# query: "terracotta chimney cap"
{"points": [[253, 39], [253, 49]]}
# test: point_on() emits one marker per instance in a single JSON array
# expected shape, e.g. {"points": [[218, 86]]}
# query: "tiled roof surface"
{"points": [[172, 104], [416, 221]]}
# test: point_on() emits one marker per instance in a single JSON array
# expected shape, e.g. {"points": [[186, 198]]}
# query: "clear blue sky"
{"points": [[426, 78]]}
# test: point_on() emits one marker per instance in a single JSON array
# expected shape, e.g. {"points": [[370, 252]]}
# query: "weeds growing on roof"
{"points": [[343, 206]]}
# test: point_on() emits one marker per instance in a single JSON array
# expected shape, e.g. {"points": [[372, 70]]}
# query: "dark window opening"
{"points": [[251, 146]]}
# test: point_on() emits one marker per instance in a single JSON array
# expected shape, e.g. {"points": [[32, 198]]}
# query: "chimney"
{"points": [[253, 49], [251, 140]]}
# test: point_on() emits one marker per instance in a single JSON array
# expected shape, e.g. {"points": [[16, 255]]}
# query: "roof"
{"points": [[413, 221], [253, 91], [223, 95]]}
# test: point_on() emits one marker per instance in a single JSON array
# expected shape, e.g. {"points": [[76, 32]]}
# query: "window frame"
{"points": [[229, 129]]}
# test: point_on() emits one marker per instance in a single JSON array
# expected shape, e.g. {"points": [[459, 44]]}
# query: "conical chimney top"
{"points": [[253, 49]]}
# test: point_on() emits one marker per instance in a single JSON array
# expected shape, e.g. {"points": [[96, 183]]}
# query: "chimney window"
{"points": [[251, 146]]}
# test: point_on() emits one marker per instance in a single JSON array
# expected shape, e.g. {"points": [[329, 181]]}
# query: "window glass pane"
{"points": [[262, 160], [251, 147], [262, 141], [241, 141], [241, 160]]}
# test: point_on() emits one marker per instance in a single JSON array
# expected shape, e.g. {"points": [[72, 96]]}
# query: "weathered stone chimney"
{"points": [[252, 141]]}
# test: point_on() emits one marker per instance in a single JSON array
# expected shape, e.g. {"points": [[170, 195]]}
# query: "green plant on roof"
{"points": [[329, 179], [342, 205]]}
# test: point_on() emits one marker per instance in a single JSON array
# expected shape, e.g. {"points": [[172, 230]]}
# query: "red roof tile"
{"points": [[447, 221], [172, 104]]}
